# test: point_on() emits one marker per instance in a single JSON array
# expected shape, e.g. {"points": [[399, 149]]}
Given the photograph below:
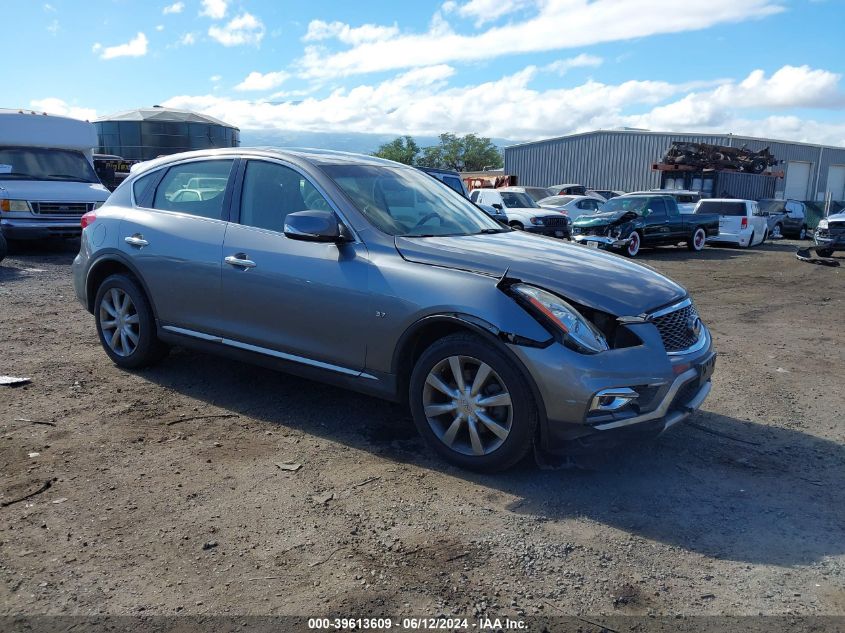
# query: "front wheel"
{"points": [[633, 247], [471, 404], [517, 226], [696, 243], [126, 324]]}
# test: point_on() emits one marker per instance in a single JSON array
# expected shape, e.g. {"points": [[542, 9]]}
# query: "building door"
{"points": [[836, 182], [797, 180]]}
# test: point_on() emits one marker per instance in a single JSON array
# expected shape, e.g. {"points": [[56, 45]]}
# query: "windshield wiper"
{"points": [[491, 231], [68, 177]]}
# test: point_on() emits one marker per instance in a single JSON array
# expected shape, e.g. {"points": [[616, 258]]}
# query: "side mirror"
{"points": [[313, 226], [496, 205]]}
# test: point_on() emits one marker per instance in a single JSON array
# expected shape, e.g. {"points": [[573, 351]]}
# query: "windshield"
{"points": [[625, 204], [773, 206], [409, 203], [36, 163], [516, 200]]}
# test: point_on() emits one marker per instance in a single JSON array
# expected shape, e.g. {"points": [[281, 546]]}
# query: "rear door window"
{"points": [[195, 188], [722, 207]]}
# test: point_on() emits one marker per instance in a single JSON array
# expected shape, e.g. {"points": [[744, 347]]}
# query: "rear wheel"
{"points": [[749, 243], [633, 247], [471, 404], [802, 234], [696, 243], [126, 324], [777, 231], [4, 247]]}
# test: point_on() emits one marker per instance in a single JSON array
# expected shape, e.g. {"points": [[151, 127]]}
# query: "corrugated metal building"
{"points": [[622, 159]]}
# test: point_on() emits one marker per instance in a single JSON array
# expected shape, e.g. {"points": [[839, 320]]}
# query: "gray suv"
{"points": [[374, 276]]}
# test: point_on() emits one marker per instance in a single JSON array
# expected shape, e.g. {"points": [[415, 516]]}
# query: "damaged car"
{"points": [[830, 235], [372, 276], [632, 221]]}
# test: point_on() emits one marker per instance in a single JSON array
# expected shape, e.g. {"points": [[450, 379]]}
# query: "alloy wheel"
{"points": [[119, 322], [467, 405], [634, 244], [698, 239]]}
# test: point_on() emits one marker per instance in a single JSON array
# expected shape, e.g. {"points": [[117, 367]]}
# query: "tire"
{"points": [[127, 331], [4, 247], [824, 252], [517, 225], [750, 242], [777, 230], [699, 238], [506, 434], [802, 234], [633, 247]]}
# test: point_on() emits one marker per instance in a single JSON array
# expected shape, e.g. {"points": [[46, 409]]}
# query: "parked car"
{"points": [[630, 222], [453, 180], [784, 218], [572, 206], [830, 234], [47, 177], [523, 213], [740, 221], [536, 193], [685, 199], [567, 189], [607, 194], [369, 275]]}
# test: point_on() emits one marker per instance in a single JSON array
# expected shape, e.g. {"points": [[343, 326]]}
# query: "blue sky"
{"points": [[519, 70]]}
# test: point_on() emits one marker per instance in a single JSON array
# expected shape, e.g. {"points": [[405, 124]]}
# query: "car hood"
{"points": [[52, 190], [836, 217], [602, 218], [593, 278]]}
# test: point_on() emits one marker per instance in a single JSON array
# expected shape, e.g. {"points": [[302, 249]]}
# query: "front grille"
{"points": [[600, 231], [62, 208], [555, 221], [677, 328]]}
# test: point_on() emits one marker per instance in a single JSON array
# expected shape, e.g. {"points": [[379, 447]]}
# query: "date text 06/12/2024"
{"points": [[416, 624]]}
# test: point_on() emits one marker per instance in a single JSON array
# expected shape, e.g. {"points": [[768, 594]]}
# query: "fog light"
{"points": [[609, 400]]}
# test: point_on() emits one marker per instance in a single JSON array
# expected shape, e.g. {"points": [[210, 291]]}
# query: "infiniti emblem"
{"points": [[694, 326]]}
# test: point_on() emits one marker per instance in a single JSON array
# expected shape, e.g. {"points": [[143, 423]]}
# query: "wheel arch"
{"points": [[103, 268], [421, 334]]}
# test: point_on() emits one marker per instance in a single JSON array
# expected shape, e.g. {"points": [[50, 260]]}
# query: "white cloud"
{"points": [[214, 9], [421, 102], [259, 81], [244, 29], [159, 27], [49, 8], [187, 39], [554, 25], [484, 11], [52, 105], [176, 7], [136, 47], [563, 66], [215, 78], [54, 27], [319, 30]]}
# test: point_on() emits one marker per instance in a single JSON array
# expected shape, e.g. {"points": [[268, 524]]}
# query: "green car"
{"points": [[627, 223]]}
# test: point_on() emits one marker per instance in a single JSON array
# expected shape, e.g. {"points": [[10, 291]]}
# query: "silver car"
{"points": [[373, 276]]}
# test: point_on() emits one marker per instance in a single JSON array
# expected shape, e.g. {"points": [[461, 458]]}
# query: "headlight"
{"points": [[538, 221], [576, 330], [823, 224], [14, 205]]}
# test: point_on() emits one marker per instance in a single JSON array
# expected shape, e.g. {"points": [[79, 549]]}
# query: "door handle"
{"points": [[136, 240], [239, 260]]}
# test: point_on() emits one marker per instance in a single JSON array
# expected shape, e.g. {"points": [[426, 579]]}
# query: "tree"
{"points": [[402, 149], [467, 153]]}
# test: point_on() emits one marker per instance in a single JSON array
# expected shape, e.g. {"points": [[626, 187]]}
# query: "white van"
{"points": [[47, 177]]}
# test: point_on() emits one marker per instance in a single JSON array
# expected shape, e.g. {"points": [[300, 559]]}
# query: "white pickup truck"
{"points": [[47, 177], [740, 221]]}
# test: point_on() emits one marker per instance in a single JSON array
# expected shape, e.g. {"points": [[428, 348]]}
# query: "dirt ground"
{"points": [[155, 510]]}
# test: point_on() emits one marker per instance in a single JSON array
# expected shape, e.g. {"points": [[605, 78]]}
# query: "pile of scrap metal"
{"points": [[720, 157]]}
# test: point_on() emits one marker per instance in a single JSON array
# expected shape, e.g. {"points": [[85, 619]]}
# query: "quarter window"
{"points": [[271, 191], [195, 188], [139, 187]]}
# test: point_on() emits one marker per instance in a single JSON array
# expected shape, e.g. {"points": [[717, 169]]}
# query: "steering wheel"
{"points": [[427, 217]]}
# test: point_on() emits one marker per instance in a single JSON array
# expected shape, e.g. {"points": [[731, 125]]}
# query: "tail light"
{"points": [[744, 224], [87, 219]]}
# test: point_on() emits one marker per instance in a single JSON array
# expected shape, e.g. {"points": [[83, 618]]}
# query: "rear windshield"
{"points": [[557, 200], [773, 206], [537, 193], [516, 200], [721, 207], [687, 197]]}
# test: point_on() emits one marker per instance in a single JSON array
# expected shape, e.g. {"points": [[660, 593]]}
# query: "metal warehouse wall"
{"points": [[623, 159]]}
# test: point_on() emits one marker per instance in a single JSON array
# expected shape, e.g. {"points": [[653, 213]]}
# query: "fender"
{"points": [[114, 255]]}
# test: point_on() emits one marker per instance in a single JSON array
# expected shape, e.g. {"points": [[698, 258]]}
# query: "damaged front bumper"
{"points": [[600, 241]]}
